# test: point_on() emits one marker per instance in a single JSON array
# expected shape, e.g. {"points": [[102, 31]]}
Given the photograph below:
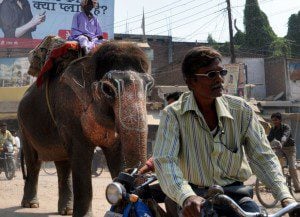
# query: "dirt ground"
{"points": [[11, 194]]}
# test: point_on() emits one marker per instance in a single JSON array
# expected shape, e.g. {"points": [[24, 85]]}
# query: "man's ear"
{"points": [[190, 81]]}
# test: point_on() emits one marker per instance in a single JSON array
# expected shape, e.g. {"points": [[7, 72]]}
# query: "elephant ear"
{"points": [[79, 76]]}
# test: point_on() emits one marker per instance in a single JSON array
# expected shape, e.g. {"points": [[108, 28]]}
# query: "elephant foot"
{"points": [[66, 211], [27, 204]]}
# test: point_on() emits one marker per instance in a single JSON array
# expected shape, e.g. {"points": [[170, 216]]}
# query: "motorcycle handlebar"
{"points": [[150, 180], [224, 199]]}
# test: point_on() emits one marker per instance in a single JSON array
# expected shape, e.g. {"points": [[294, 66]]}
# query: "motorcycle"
{"points": [[215, 196], [130, 195], [7, 160]]}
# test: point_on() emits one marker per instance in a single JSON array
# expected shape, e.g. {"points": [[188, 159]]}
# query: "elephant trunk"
{"points": [[134, 148], [131, 116]]}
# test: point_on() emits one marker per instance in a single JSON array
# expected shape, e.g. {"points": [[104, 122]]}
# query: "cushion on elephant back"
{"points": [[52, 55]]}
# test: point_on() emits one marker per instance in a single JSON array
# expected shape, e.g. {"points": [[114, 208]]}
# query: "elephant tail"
{"points": [[23, 166]]}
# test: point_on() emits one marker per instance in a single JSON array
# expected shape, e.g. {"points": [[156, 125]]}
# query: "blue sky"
{"points": [[191, 20]]}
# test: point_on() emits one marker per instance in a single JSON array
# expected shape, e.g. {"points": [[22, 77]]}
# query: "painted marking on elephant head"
{"points": [[82, 78], [129, 90]]}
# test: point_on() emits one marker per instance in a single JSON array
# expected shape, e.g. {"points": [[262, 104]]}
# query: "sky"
{"points": [[193, 20]]}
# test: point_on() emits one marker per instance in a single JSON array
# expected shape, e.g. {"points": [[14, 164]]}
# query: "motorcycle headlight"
{"points": [[115, 192]]}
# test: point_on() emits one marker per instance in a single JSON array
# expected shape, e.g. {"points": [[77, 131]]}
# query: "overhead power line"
{"points": [[201, 27], [192, 8], [184, 18], [149, 12]]}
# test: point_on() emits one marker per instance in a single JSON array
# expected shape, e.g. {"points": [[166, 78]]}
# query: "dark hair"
{"points": [[198, 57], [3, 124], [174, 95], [276, 115]]}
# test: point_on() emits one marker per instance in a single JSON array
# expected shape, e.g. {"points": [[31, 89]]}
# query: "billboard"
{"points": [[27, 27], [13, 72]]}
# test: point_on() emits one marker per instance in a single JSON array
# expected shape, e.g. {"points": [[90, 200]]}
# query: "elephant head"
{"points": [[112, 89], [126, 91]]}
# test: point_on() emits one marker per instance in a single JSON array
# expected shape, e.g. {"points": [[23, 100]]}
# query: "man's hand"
{"points": [[283, 139], [144, 170], [287, 201], [275, 144], [192, 206], [38, 19]]}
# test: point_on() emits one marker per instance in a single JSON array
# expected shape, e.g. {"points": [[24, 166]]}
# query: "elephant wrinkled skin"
{"points": [[99, 100]]}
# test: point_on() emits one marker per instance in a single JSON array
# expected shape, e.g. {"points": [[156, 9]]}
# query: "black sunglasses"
{"points": [[213, 74]]}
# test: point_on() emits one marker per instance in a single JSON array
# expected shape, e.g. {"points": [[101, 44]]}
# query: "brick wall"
{"points": [[170, 73]]}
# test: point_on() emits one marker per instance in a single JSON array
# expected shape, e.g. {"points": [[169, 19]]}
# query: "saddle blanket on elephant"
{"points": [[52, 55]]}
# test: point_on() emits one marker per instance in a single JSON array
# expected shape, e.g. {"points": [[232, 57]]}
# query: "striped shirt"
{"points": [[185, 151]]}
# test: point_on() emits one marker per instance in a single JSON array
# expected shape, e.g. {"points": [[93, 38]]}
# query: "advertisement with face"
{"points": [[25, 21]]}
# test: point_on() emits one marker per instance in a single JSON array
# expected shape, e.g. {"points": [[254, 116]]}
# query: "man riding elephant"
{"points": [[98, 100]]}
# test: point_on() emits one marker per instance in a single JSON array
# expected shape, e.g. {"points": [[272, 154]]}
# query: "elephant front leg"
{"points": [[33, 166], [65, 200], [82, 182]]}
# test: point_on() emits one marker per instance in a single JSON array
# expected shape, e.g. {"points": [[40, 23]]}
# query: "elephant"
{"points": [[97, 100]]}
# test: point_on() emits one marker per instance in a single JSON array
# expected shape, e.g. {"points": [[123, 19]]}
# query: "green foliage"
{"points": [[239, 38], [259, 38], [225, 48], [258, 32], [293, 34], [210, 40], [280, 47]]}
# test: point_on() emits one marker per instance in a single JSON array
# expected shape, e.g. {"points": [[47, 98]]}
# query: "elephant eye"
{"points": [[108, 90], [149, 85], [148, 82]]}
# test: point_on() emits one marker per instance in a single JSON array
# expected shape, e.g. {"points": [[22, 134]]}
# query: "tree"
{"points": [[239, 37], [280, 47], [258, 32], [210, 40], [293, 34]]}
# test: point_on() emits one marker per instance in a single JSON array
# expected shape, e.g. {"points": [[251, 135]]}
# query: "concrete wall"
{"points": [[255, 74], [9, 101], [12, 93]]}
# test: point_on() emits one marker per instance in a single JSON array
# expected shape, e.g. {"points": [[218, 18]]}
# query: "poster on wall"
{"points": [[234, 81], [24, 23], [13, 72], [294, 82]]}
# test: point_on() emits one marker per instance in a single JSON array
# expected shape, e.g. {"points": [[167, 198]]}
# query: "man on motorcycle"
{"points": [[282, 132], [5, 135], [207, 138]]}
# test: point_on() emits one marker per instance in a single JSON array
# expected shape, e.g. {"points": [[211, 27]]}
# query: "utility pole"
{"points": [[230, 32], [143, 27]]}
